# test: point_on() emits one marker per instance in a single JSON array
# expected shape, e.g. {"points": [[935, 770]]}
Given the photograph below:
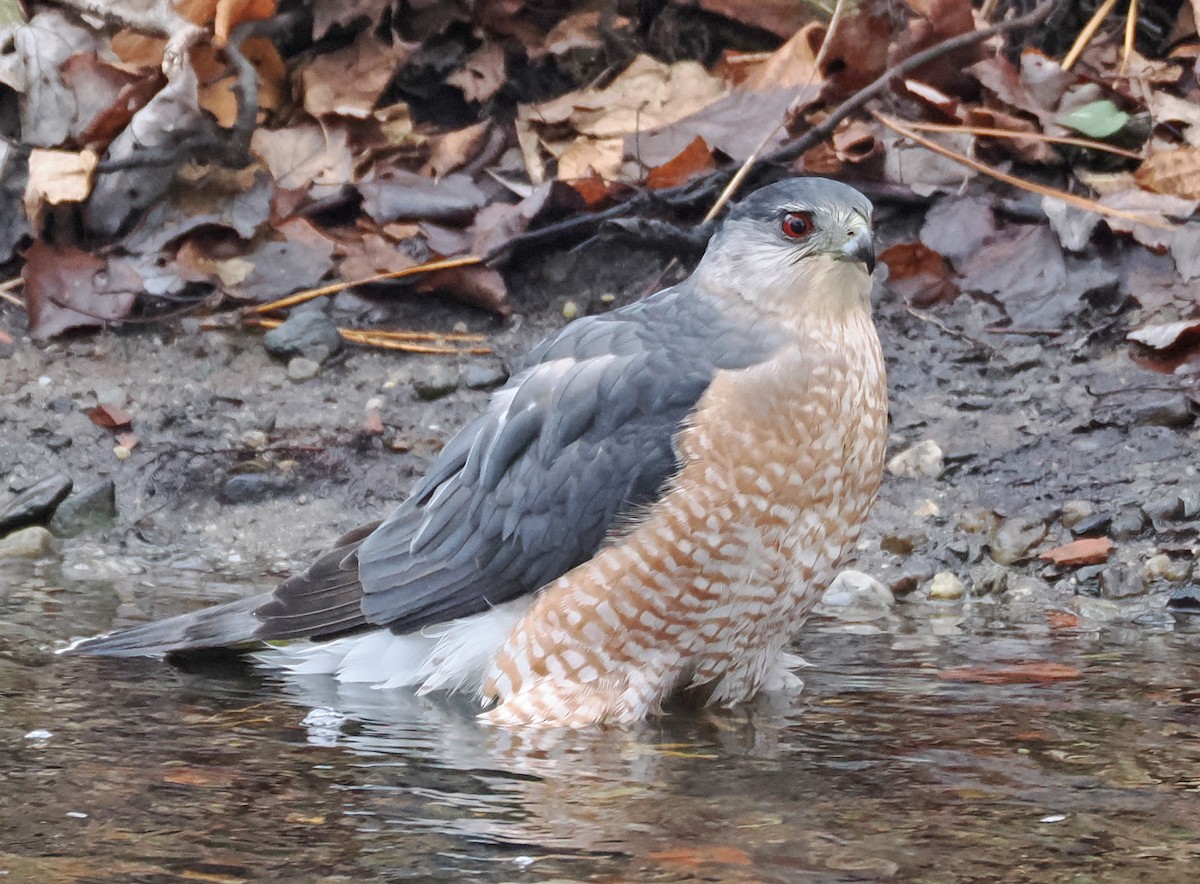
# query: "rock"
{"points": [[903, 541], [301, 368], [1163, 567], [88, 509], [992, 581], [1120, 582], [437, 381], [1075, 511], [1185, 600], [1164, 411], [981, 521], [1013, 538], [854, 588], [1094, 525], [911, 576], [1088, 551], [1129, 523], [35, 504], [307, 333], [34, 542], [946, 587], [923, 459], [110, 394], [927, 509], [483, 376], [1097, 610], [1167, 509], [249, 487], [1191, 502]]}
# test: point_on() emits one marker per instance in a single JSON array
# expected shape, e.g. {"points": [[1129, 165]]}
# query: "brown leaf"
{"points": [[349, 81], [1175, 172], [497, 223], [957, 226], [391, 194], [110, 417], [1167, 335], [305, 155], [580, 30], [483, 73], [329, 14], [370, 254], [1087, 551], [1034, 672], [68, 288], [793, 64], [453, 150], [57, 177], [693, 161], [481, 286], [780, 17], [110, 122], [129, 440], [857, 52], [919, 274], [97, 87]]}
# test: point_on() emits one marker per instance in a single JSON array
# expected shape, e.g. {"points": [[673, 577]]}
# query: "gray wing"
{"points": [[581, 438]]}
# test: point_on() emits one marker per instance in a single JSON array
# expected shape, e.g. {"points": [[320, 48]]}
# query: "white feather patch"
{"points": [[451, 656]]}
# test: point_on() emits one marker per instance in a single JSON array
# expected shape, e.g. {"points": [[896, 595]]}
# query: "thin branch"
{"points": [[989, 132], [1085, 35], [1040, 189]]}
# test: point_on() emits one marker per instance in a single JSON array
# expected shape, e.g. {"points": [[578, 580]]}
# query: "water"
{"points": [[881, 769]]}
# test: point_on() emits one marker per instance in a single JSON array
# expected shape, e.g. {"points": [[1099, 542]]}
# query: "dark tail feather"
{"points": [[221, 626]]}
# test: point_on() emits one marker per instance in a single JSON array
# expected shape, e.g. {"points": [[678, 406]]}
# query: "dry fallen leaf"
{"points": [[56, 177], [1174, 172], [349, 81], [694, 160], [483, 73], [919, 275], [68, 288], [1087, 551]]}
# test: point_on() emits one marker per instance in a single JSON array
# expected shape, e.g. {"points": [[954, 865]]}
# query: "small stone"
{"points": [[34, 542], [981, 521], [911, 576], [1168, 509], [1121, 582], [122, 452], [1185, 600], [993, 581], [1129, 523], [1097, 610], [90, 508], [483, 375], [1088, 551], [255, 439], [437, 381], [301, 368], [923, 459], [307, 333], [927, 509], [1165, 411], [855, 588], [1094, 525], [1163, 567], [1013, 538], [946, 587], [110, 394], [1075, 511], [570, 310], [903, 541], [35, 504], [250, 487]]}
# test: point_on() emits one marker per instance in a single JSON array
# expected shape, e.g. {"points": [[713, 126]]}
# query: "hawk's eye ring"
{"points": [[797, 225]]}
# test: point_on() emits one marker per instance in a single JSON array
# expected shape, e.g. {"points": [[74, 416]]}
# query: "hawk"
{"points": [[648, 509]]}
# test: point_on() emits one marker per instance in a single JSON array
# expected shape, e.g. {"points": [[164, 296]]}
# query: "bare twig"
{"points": [[1085, 35], [989, 132], [1040, 189]]}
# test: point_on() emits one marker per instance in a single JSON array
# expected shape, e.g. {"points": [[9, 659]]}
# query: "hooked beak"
{"points": [[861, 247]]}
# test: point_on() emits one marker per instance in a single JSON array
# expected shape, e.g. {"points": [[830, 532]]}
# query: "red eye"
{"points": [[797, 225]]}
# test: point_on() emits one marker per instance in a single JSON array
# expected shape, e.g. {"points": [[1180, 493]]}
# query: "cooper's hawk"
{"points": [[651, 507]]}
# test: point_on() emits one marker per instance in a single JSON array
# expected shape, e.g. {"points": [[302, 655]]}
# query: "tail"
{"points": [[222, 626]]}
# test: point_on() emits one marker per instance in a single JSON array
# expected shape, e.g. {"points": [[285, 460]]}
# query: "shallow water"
{"points": [[884, 767]]}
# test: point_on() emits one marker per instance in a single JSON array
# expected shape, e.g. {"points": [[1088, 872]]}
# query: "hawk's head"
{"points": [[802, 243]]}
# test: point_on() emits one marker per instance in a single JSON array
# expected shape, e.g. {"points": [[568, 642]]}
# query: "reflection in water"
{"points": [[880, 768]]}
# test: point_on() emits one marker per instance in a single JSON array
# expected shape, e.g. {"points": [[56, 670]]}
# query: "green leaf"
{"points": [[1097, 119]]}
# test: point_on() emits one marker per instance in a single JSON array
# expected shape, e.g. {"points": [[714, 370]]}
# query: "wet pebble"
{"points": [[1166, 509], [1121, 582], [483, 376], [1165, 411], [1129, 523], [88, 509], [34, 542], [910, 576], [1094, 525], [1076, 511], [903, 541], [857, 589], [301, 368], [946, 587], [923, 459], [249, 487], [1013, 538], [35, 504], [991, 580], [1163, 567], [436, 381], [1097, 610], [1186, 599], [307, 333]]}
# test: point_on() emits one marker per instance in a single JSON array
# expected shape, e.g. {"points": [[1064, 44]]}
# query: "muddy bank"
{"points": [[242, 470]]}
